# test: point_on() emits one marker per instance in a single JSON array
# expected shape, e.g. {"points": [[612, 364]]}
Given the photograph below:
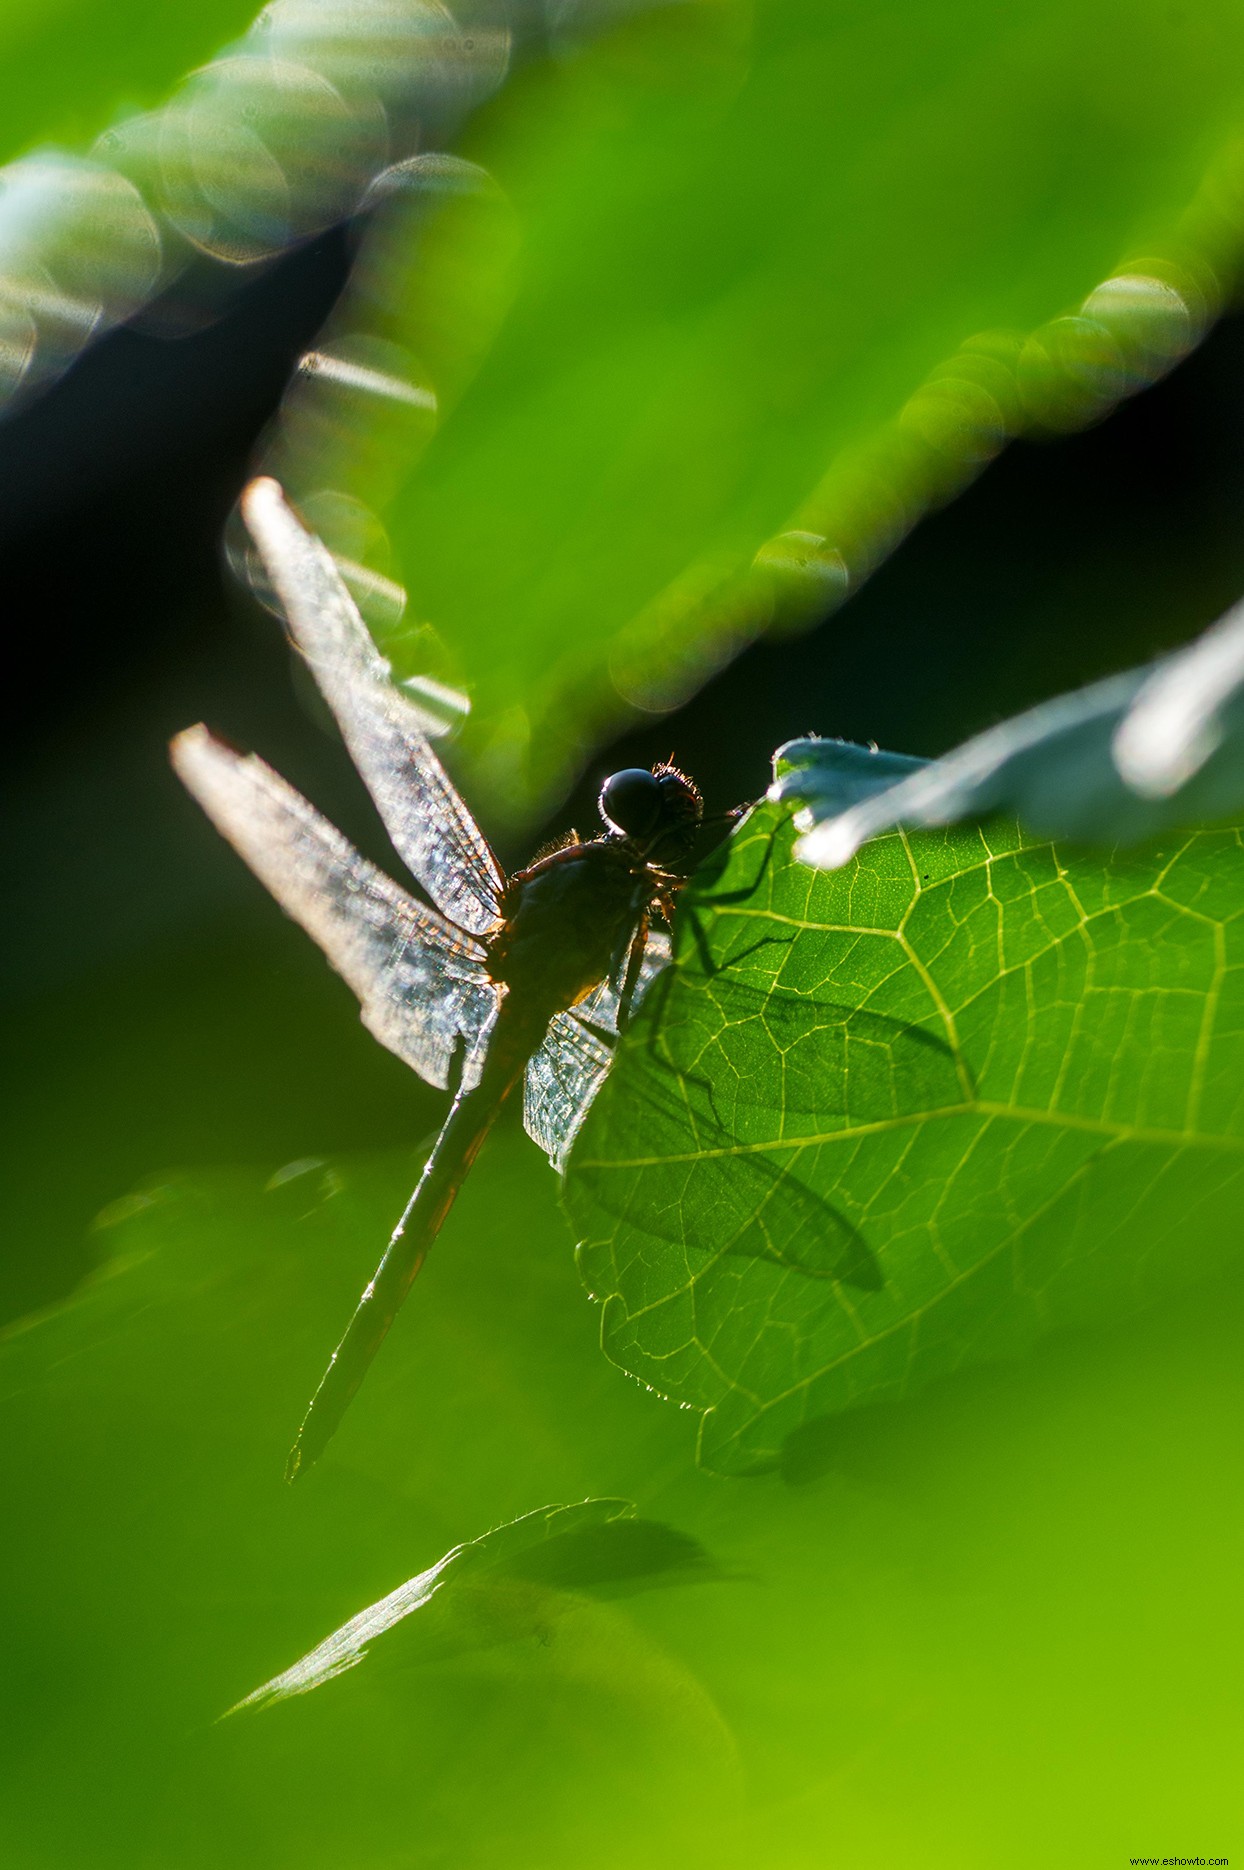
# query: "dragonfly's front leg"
{"points": [[634, 970]]}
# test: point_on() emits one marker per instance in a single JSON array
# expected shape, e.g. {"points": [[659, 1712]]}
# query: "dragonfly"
{"points": [[493, 981]]}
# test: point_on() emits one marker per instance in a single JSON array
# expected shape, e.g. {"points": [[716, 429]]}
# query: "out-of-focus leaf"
{"points": [[71, 68], [788, 275], [1130, 758], [157, 1566], [272, 140], [1010, 1079], [514, 1581], [830, 776]]}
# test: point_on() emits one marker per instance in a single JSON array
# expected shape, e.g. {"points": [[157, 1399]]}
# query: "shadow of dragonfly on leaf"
{"points": [[725, 1088]]}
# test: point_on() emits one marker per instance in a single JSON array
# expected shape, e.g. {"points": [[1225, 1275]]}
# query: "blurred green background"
{"points": [[996, 1625]]}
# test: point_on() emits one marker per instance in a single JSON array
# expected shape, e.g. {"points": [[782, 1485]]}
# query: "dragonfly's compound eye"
{"points": [[631, 802]]}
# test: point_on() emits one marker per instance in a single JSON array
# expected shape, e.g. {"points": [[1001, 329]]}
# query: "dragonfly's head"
{"points": [[659, 811]]}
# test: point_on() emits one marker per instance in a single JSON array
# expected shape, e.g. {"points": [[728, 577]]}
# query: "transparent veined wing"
{"points": [[568, 1070], [600, 1009], [562, 1079], [432, 830], [422, 986]]}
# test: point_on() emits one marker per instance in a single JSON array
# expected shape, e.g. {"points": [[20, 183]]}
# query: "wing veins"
{"points": [[565, 1073], [422, 986], [431, 828]]}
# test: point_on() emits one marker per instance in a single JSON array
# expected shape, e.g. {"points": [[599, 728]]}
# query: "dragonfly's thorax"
{"points": [[568, 921]]}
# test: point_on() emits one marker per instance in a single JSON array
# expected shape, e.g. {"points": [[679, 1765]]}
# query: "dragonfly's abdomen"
{"points": [[567, 921]]}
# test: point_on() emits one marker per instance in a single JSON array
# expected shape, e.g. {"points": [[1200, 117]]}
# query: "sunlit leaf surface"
{"points": [[785, 277], [879, 1124]]}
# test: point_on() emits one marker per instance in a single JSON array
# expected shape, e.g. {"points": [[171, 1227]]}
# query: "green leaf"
{"points": [[73, 67], [1007, 1081], [787, 276], [515, 1581]]}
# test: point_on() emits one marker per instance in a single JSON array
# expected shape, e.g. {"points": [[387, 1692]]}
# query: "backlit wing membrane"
{"points": [[568, 1070], [432, 830], [562, 1079], [422, 986], [600, 1009]]}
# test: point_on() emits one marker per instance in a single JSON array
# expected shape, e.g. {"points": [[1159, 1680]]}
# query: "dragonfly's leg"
{"points": [[667, 887], [733, 817], [728, 898], [672, 889], [671, 892], [607, 1037], [619, 960], [748, 889], [634, 968]]}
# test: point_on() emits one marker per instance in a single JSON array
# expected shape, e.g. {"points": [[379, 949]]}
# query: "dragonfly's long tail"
{"points": [[455, 1149]]}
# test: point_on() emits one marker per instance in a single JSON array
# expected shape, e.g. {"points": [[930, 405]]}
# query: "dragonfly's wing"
{"points": [[562, 1079], [568, 1070], [600, 1008], [432, 830], [422, 986]]}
